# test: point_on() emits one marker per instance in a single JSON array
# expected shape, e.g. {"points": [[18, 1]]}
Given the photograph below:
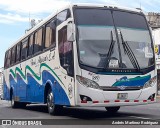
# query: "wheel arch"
{"points": [[11, 92]]}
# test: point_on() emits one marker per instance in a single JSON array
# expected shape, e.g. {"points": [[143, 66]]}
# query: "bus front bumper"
{"points": [[100, 98]]}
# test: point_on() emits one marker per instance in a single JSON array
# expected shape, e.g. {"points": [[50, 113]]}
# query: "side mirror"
{"points": [[70, 32]]}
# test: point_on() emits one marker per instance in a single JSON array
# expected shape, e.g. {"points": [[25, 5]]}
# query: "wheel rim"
{"points": [[12, 101], [50, 101]]}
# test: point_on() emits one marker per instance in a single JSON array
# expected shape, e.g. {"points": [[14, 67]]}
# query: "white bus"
{"points": [[84, 55], [1, 83]]}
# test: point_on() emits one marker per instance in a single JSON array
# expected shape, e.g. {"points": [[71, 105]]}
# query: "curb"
{"points": [[158, 96]]}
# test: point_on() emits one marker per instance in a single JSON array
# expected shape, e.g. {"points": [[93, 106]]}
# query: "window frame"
{"points": [[5, 60], [8, 58], [19, 55], [14, 48], [62, 54], [24, 42], [35, 39], [67, 16], [29, 37], [52, 45]]}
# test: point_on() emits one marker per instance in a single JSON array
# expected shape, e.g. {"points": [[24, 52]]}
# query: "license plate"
{"points": [[122, 96]]}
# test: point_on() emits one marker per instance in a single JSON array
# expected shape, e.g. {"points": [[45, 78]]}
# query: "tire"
{"points": [[15, 104], [112, 109], [52, 108], [22, 104]]}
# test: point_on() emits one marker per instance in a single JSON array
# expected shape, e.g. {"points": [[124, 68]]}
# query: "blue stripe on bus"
{"points": [[6, 93], [34, 92]]}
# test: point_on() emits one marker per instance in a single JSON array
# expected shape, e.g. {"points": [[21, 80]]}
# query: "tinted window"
{"points": [[30, 51], [50, 34], [38, 41], [8, 59], [129, 20], [5, 61], [18, 54], [65, 51], [13, 55], [61, 45], [24, 49], [62, 16], [93, 17]]}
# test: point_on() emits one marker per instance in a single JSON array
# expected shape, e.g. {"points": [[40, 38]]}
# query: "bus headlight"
{"points": [[151, 82], [87, 82]]}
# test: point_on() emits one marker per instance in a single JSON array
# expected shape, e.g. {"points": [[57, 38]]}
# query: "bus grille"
{"points": [[119, 88]]}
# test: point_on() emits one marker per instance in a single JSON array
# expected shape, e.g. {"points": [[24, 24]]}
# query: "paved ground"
{"points": [[148, 112]]}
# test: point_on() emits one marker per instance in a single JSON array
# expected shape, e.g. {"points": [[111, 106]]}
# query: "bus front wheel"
{"points": [[52, 108], [112, 109]]}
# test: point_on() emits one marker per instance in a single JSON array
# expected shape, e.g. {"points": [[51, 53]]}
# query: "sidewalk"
{"points": [[158, 95]]}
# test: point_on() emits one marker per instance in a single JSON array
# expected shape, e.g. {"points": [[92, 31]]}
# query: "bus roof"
{"points": [[105, 5], [70, 6]]}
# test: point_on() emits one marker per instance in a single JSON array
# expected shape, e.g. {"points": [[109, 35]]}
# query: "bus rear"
{"points": [[114, 59]]}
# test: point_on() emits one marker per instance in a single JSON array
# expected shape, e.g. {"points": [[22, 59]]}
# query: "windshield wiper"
{"points": [[111, 46], [105, 58], [110, 50], [129, 52]]}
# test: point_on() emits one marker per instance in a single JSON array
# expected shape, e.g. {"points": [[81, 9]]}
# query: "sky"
{"points": [[16, 14]]}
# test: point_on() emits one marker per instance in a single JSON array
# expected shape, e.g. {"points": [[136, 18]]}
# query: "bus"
{"points": [[1, 83], [85, 55]]}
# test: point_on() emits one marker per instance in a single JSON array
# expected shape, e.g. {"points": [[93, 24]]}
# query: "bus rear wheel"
{"points": [[112, 109], [53, 109], [15, 104]]}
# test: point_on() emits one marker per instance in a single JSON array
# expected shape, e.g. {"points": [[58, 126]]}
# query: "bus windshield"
{"points": [[102, 34]]}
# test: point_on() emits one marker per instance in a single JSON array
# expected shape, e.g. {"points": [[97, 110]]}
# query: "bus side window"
{"points": [[65, 51], [62, 16], [5, 62], [50, 34], [13, 55], [30, 47], [38, 41], [8, 59], [18, 54], [24, 49]]}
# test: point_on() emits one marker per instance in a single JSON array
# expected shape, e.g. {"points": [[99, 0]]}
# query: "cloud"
{"points": [[19, 10], [5, 21], [146, 5], [32, 6], [13, 17]]}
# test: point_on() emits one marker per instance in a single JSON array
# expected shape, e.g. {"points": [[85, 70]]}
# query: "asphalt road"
{"points": [[147, 112]]}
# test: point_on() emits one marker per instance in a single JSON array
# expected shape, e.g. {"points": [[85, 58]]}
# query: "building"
{"points": [[154, 21]]}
